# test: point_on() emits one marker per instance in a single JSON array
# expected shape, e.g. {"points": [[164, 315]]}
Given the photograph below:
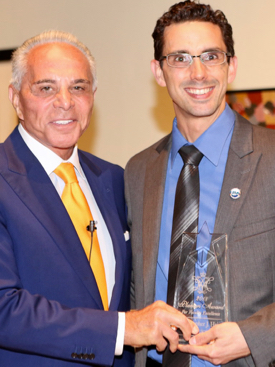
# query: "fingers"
{"points": [[170, 336], [203, 338], [152, 326], [219, 345], [195, 329], [173, 323]]}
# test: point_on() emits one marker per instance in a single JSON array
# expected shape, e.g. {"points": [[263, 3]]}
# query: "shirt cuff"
{"points": [[120, 334]]}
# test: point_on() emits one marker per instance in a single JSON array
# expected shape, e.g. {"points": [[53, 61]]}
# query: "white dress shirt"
{"points": [[50, 161]]}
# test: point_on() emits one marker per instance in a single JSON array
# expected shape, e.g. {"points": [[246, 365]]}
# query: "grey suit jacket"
{"points": [[248, 221]]}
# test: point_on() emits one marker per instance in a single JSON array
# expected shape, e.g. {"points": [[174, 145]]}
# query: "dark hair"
{"points": [[190, 11]]}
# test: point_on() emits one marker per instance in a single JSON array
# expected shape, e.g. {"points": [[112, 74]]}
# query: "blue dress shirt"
{"points": [[214, 144]]}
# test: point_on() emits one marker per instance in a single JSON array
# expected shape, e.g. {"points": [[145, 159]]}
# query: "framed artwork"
{"points": [[8, 118], [257, 106], [5, 55]]}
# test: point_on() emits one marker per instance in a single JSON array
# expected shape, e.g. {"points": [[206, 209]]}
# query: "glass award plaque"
{"points": [[201, 289]]}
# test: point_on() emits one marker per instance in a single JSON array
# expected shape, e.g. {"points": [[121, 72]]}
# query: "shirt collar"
{"points": [[47, 158], [211, 142]]}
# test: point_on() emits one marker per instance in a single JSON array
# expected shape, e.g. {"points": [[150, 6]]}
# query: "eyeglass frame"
{"points": [[228, 54]]}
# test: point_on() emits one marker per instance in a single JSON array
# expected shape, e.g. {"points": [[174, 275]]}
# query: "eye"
{"points": [[181, 58], [211, 56], [46, 88], [43, 90], [78, 87]]}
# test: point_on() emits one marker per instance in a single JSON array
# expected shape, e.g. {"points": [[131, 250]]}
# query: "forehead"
{"points": [[57, 59], [192, 37]]}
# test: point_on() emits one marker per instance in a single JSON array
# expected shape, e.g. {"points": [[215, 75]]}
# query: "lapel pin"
{"points": [[235, 193]]}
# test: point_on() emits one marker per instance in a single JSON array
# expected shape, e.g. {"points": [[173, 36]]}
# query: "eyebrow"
{"points": [[76, 81], [214, 49], [45, 81], [206, 50], [86, 81], [179, 52]]}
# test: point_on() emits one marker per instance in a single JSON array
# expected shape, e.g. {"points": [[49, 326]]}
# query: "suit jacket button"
{"points": [[91, 356], [85, 356], [74, 355]]}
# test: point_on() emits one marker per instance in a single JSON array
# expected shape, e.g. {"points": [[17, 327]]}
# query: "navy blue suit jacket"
{"points": [[50, 307]]}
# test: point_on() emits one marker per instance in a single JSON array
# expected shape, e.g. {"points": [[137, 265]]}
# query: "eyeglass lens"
{"points": [[207, 58]]}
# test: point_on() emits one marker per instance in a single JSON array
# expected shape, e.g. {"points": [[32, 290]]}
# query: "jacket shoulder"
{"points": [[261, 134], [145, 155]]}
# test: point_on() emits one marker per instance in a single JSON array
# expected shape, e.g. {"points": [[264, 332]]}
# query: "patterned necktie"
{"points": [[80, 214], [185, 219]]}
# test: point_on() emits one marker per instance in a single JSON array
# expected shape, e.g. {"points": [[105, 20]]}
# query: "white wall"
{"points": [[131, 111]]}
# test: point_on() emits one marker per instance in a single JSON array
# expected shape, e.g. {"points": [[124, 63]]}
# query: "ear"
{"points": [[158, 73], [232, 69], [15, 100]]}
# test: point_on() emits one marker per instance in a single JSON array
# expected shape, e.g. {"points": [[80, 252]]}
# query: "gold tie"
{"points": [[79, 211]]}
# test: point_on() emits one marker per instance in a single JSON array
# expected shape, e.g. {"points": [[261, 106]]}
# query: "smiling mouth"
{"points": [[199, 92], [62, 122]]}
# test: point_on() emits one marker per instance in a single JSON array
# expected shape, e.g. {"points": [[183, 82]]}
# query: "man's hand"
{"points": [[221, 344], [152, 326]]}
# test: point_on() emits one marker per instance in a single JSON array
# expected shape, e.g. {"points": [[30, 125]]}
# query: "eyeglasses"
{"points": [[182, 60]]}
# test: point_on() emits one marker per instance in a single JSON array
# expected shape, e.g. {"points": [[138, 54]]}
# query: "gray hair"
{"points": [[19, 57]]}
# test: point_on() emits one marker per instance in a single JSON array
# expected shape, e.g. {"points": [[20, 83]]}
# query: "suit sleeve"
{"points": [[250, 224], [45, 308], [259, 334], [31, 323]]}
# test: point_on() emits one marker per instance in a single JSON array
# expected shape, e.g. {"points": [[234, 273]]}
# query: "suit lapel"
{"points": [[103, 191], [29, 180], [240, 170], [153, 200]]}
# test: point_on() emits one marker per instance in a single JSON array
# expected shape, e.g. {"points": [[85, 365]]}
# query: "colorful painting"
{"points": [[257, 106]]}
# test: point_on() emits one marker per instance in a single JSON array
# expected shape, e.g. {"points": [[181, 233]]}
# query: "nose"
{"points": [[197, 69], [63, 99]]}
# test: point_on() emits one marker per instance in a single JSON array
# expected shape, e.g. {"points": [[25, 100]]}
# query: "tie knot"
{"points": [[66, 172], [190, 155]]}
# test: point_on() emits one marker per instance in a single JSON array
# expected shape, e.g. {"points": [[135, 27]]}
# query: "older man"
{"points": [[65, 257]]}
